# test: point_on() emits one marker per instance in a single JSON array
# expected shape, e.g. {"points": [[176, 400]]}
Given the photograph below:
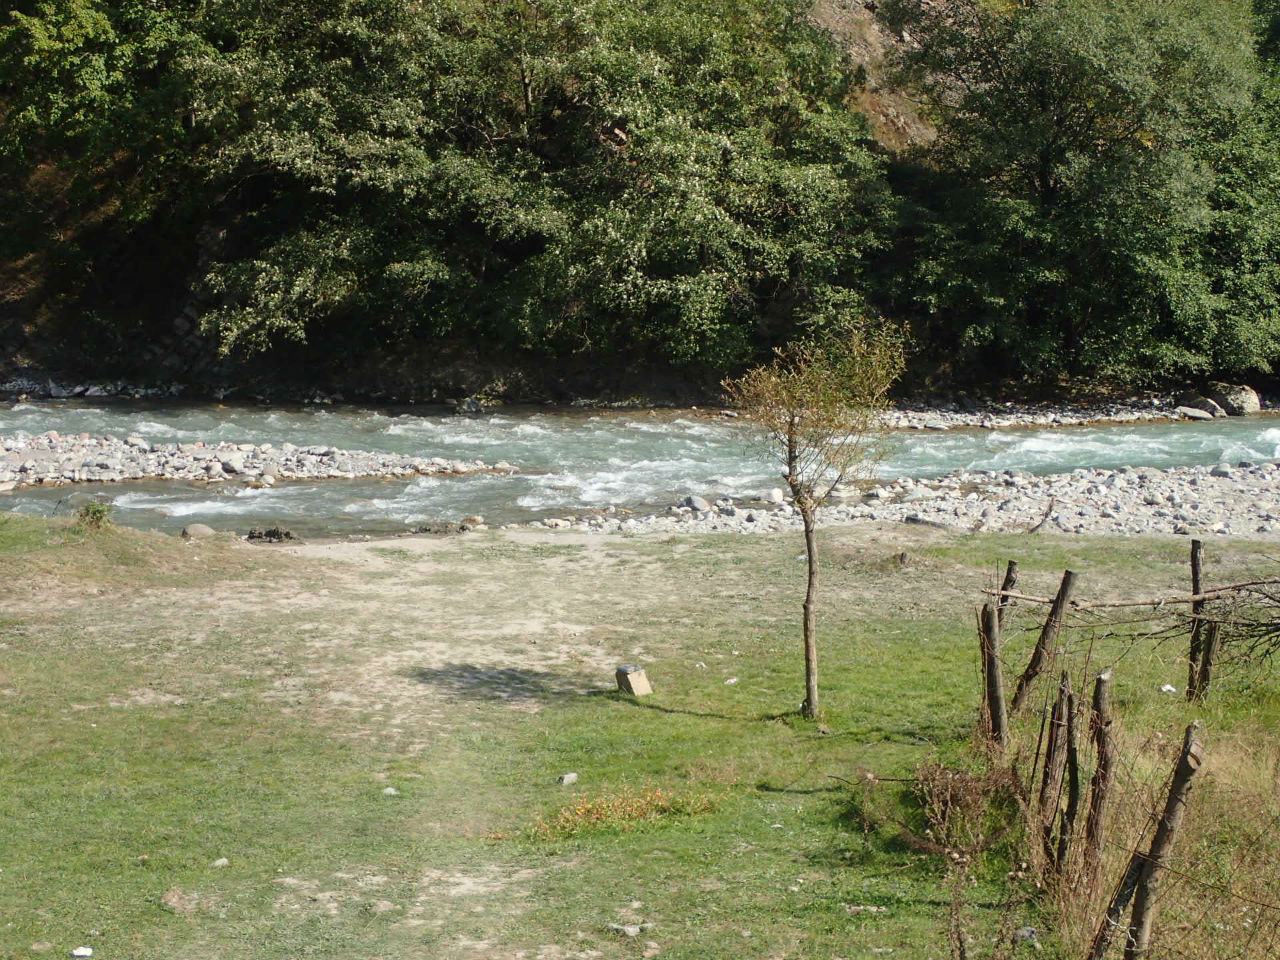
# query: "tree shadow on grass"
{"points": [[469, 681]]}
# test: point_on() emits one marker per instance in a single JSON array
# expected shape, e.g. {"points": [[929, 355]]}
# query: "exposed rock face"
{"points": [[1237, 399]]}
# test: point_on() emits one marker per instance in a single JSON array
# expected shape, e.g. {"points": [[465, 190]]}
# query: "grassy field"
{"points": [[351, 750]]}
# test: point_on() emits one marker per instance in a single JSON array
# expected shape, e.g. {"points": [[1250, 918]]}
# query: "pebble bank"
{"points": [[50, 458], [1231, 500]]}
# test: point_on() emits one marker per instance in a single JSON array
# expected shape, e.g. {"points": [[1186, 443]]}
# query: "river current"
{"points": [[570, 461]]}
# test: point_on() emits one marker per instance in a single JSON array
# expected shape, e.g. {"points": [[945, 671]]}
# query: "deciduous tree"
{"points": [[819, 404]]}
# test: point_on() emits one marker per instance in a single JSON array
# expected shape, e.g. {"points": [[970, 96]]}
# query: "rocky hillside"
{"points": [[895, 119]]}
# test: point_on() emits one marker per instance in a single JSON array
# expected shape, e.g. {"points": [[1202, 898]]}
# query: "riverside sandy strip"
{"points": [[1241, 500], [54, 459]]}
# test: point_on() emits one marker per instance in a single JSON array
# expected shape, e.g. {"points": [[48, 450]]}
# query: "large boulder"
{"points": [[1237, 399], [197, 531], [1200, 402]]}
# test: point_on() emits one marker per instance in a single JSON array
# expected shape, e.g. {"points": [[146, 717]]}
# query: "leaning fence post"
{"points": [[1144, 901], [991, 672], [1197, 586], [1139, 883], [1048, 636]]}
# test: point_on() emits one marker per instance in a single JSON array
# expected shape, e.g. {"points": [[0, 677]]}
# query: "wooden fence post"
{"points": [[1208, 654], [1010, 581], [1139, 882], [1144, 901], [993, 676], [1048, 636], [1067, 828], [1054, 762], [1103, 774], [1197, 585]]}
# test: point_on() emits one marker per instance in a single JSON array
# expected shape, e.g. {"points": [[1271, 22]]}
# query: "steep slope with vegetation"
{"points": [[1046, 190]]}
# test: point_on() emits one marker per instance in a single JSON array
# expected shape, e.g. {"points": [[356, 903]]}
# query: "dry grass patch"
{"points": [[624, 809]]}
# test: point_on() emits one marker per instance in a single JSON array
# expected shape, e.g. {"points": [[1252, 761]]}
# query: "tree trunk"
{"points": [[810, 708]]}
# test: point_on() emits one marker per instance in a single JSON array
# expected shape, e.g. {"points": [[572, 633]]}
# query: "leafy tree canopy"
{"points": [[1101, 200], [679, 179], [682, 182]]}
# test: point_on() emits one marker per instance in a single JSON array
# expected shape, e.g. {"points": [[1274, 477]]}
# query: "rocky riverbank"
{"points": [[938, 414], [1238, 499], [54, 459], [1231, 500], [1219, 400]]}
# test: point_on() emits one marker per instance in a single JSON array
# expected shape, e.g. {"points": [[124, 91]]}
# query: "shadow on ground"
{"points": [[469, 681]]}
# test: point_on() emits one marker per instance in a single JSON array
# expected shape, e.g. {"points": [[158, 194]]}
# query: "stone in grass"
{"points": [[221, 862], [566, 779], [82, 952], [390, 792], [1026, 937], [631, 929], [632, 679], [197, 531]]}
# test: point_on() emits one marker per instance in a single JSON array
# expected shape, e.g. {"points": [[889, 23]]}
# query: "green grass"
{"points": [[254, 706]]}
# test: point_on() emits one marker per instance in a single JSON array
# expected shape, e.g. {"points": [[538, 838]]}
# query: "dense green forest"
{"points": [[1091, 188]]}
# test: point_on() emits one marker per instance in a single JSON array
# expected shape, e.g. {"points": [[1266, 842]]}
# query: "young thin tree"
{"points": [[819, 404]]}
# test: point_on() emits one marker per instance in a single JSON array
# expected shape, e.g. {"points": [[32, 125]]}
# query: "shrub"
{"points": [[95, 515]]}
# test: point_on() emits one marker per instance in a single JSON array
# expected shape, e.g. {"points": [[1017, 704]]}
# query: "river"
{"points": [[570, 461]]}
